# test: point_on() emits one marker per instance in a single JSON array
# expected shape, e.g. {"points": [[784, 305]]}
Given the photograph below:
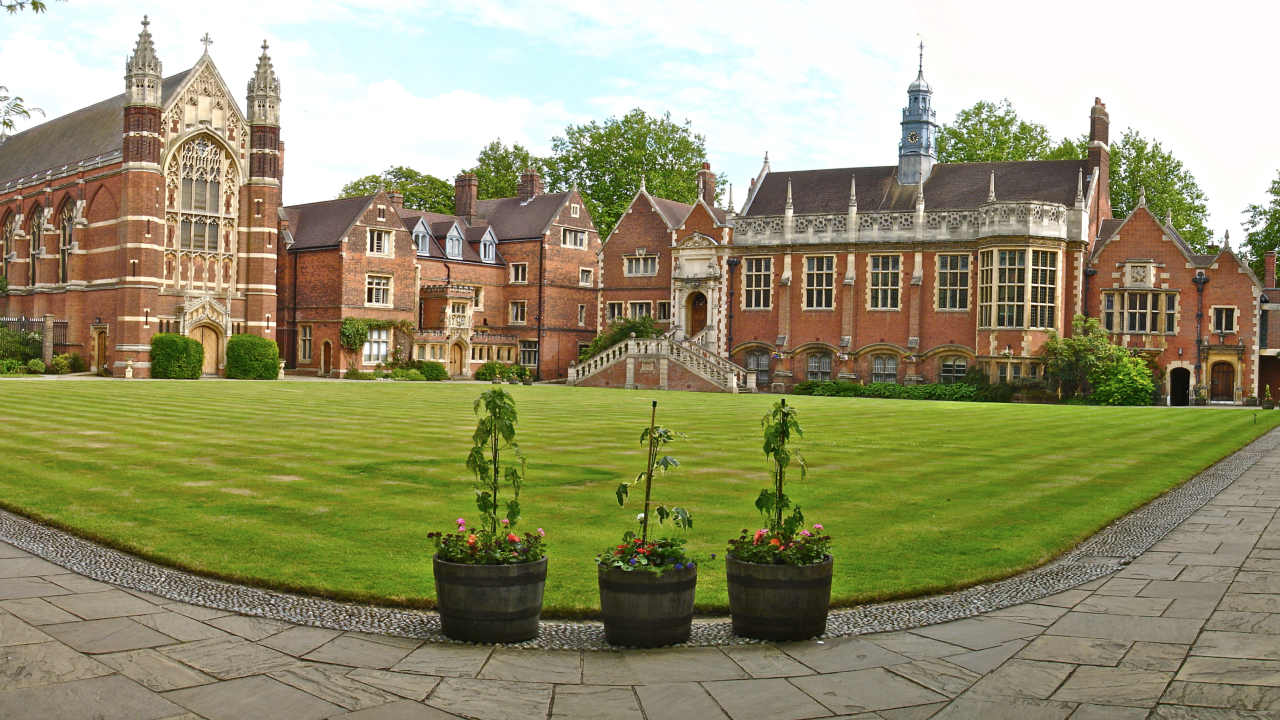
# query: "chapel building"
{"points": [[153, 211]]}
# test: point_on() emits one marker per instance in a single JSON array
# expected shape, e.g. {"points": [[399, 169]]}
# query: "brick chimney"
{"points": [[1100, 160], [1269, 268], [530, 185], [707, 184], [397, 199], [466, 190]]}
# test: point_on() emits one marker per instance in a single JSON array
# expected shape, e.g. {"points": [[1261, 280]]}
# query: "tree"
{"points": [[498, 169], [13, 6], [991, 132], [608, 160], [1139, 164], [421, 192], [13, 107], [1072, 361], [1262, 226]]}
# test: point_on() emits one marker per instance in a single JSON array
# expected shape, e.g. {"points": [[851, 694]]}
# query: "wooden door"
{"points": [[324, 359], [1223, 381], [100, 353], [208, 337], [455, 361], [697, 312]]}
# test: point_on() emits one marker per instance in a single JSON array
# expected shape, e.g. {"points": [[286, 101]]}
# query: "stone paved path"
{"points": [[1191, 629]]}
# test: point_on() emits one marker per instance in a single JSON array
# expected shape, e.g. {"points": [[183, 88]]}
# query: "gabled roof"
{"points": [[514, 220], [324, 224], [951, 186], [1109, 229], [439, 226], [81, 135]]}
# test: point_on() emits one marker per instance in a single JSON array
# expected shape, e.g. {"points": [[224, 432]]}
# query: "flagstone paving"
{"points": [[1189, 629]]}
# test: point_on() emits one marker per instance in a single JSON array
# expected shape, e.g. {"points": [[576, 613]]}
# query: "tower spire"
{"points": [[264, 92], [917, 151], [142, 71]]}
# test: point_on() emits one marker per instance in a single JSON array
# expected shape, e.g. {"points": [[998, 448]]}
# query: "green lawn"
{"points": [[331, 488]]}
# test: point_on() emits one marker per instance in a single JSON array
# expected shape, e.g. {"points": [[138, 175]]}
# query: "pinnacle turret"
{"points": [[264, 92], [142, 72]]}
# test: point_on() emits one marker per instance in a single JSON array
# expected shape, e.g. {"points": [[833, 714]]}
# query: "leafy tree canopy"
{"points": [[421, 192], [13, 108], [993, 132], [608, 160], [13, 6], [1262, 226], [498, 169]]}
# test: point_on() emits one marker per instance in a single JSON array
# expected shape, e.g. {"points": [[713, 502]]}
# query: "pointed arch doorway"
{"points": [[457, 360], [211, 339]]}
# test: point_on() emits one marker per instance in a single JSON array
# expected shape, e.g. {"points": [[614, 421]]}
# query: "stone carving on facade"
{"points": [[204, 310]]}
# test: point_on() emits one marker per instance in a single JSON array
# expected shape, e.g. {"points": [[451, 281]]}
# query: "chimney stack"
{"points": [[1100, 161], [397, 199], [1269, 267], [707, 184], [466, 191], [530, 185]]}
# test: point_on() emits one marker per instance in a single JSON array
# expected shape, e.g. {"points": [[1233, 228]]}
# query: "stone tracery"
{"points": [[201, 240]]}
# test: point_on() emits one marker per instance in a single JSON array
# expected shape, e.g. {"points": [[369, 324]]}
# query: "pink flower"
{"points": [[759, 534], [540, 533], [506, 521], [462, 523], [806, 533], [817, 527]]}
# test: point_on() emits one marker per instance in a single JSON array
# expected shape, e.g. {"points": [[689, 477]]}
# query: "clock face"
{"points": [[913, 136]]}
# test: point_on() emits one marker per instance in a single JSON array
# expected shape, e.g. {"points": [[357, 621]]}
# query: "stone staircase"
{"points": [[691, 356]]}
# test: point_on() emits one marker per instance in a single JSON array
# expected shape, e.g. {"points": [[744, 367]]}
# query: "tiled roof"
{"points": [[951, 186], [323, 224], [513, 220], [80, 135], [676, 212]]}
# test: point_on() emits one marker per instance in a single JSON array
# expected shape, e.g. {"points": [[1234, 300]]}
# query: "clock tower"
{"points": [[917, 152]]}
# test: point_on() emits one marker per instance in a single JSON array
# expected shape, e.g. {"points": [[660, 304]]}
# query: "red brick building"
{"points": [[153, 211], [511, 279]]}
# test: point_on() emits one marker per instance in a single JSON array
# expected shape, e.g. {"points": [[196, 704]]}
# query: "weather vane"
{"points": [[921, 38], [207, 41]]}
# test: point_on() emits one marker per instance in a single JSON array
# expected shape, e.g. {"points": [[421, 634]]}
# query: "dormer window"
{"points": [[453, 245], [488, 249], [420, 239]]}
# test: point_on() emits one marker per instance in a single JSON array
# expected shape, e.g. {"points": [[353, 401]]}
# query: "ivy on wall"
{"points": [[355, 331]]}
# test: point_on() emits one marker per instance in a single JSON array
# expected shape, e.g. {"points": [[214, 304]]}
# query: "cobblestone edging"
{"points": [[1104, 553]]}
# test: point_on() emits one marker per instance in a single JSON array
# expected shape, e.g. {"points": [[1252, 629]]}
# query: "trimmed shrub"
{"points": [[176, 357], [61, 365], [517, 371], [1125, 382], [35, 366], [407, 374], [490, 370], [252, 357], [11, 366], [20, 346], [433, 371]]}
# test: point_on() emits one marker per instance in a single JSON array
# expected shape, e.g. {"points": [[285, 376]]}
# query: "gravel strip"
{"points": [[1101, 555]]}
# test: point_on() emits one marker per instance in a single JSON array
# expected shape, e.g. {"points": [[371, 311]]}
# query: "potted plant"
{"points": [[646, 585], [1267, 402], [489, 580], [1200, 398], [780, 575]]}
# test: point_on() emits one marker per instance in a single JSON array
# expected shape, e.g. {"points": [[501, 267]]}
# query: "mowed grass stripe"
{"points": [[331, 488]]}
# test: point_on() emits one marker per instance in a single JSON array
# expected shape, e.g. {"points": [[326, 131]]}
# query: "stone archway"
{"points": [[210, 336], [1179, 387], [457, 360], [696, 304]]}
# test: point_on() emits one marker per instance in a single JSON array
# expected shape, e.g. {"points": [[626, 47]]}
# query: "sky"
{"points": [[367, 84]]}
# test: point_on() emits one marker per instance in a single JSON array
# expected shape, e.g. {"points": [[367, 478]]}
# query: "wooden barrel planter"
{"points": [[779, 602], [641, 609], [490, 603]]}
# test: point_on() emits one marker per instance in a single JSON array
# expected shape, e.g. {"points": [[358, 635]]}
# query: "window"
{"points": [[582, 315], [1109, 311], [820, 366], [205, 175], [66, 228], [519, 273], [379, 242], [1170, 305], [953, 369], [529, 352], [453, 244], [884, 369], [375, 348], [986, 261], [758, 361], [518, 316], [884, 282], [645, 265], [1011, 288], [1139, 312], [1224, 320], [377, 290], [488, 249], [575, 210], [574, 238], [584, 277], [1044, 283], [420, 239], [641, 309], [757, 278], [382, 212], [819, 282], [664, 312], [953, 282], [613, 311], [304, 342]]}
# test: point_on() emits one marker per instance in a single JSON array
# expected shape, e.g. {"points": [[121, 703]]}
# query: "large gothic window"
{"points": [[7, 232], [36, 230], [203, 203], [66, 229]]}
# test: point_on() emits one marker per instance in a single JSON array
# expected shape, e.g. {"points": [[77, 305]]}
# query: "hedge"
{"points": [[252, 357], [490, 370], [956, 392], [176, 357]]}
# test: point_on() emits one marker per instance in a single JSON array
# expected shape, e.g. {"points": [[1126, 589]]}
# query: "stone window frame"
{"points": [[1043, 289], [529, 353], [575, 210], [576, 234], [819, 365], [662, 311], [305, 341], [894, 291], [387, 239], [807, 291], [519, 274], [645, 305], [957, 291], [764, 290], [640, 261], [378, 339], [880, 367], [372, 289], [609, 313], [1115, 321], [518, 312], [586, 277], [959, 365], [582, 315], [1235, 319]]}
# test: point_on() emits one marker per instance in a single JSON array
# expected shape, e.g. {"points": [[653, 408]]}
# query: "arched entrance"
{"points": [[697, 304], [100, 351], [1222, 382], [211, 339], [1180, 387], [325, 358], [457, 359]]}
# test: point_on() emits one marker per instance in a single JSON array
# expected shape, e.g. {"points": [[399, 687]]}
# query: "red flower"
{"points": [[512, 537]]}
